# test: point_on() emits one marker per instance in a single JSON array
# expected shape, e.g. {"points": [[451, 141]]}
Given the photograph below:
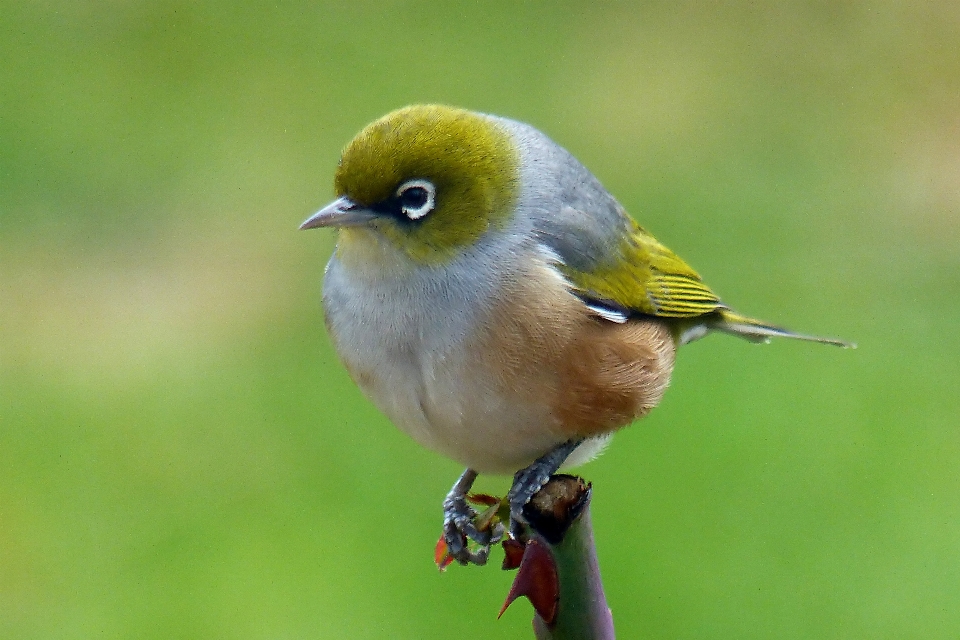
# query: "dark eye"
{"points": [[417, 198], [414, 198]]}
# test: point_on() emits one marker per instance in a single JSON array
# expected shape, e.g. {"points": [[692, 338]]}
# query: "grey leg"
{"points": [[527, 482], [459, 527]]}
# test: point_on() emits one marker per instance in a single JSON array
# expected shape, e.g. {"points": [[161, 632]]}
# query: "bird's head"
{"points": [[428, 180]]}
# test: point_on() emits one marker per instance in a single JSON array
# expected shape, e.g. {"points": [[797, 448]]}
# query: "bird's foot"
{"points": [[462, 524], [528, 481], [468, 535]]}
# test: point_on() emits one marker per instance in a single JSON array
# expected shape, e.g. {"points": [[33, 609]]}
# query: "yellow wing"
{"points": [[646, 277]]}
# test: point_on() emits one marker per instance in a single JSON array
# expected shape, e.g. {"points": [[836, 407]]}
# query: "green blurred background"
{"points": [[181, 455]]}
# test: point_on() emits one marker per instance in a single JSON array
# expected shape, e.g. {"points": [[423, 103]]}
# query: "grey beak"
{"points": [[342, 212]]}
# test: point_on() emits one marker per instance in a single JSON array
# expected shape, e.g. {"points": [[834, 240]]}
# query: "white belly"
{"points": [[402, 337]]}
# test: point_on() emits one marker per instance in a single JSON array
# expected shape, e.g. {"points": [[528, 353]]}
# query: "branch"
{"points": [[558, 572]]}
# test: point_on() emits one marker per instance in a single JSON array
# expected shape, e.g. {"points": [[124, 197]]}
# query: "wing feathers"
{"points": [[681, 296], [644, 278]]}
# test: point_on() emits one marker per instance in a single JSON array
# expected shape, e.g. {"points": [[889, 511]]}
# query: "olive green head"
{"points": [[429, 179]]}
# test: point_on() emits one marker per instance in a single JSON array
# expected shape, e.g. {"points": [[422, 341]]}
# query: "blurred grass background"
{"points": [[181, 455]]}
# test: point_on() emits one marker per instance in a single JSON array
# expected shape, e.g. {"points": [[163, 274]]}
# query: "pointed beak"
{"points": [[342, 212]]}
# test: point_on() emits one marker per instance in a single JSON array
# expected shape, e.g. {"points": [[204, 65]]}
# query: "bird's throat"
{"points": [[365, 253]]}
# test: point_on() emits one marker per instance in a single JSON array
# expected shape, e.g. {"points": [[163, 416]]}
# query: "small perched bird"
{"points": [[498, 304]]}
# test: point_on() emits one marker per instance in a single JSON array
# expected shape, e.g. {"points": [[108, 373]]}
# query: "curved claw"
{"points": [[459, 528], [461, 525], [458, 549]]}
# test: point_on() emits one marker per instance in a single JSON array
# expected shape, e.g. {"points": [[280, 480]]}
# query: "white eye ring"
{"points": [[422, 208]]}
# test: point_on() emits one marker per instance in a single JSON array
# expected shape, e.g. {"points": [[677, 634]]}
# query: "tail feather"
{"points": [[757, 331]]}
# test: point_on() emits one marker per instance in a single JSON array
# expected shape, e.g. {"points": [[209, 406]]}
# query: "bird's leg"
{"points": [[528, 481], [459, 524]]}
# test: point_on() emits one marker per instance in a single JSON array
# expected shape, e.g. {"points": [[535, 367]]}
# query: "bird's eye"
{"points": [[414, 197], [417, 198]]}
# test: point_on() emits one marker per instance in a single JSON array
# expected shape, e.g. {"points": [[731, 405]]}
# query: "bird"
{"points": [[498, 304]]}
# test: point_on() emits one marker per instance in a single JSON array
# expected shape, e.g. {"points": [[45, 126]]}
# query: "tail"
{"points": [[757, 331]]}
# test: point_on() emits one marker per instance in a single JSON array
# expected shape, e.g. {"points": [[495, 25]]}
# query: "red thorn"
{"points": [[484, 499], [537, 580], [512, 554], [440, 555]]}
